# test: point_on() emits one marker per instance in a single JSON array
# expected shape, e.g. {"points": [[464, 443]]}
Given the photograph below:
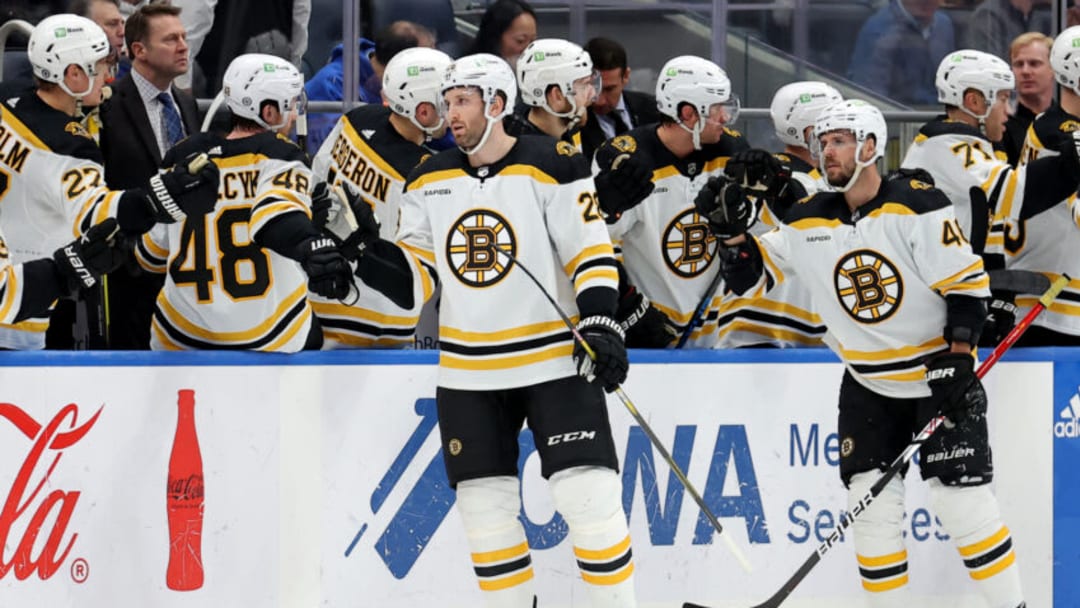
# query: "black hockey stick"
{"points": [[1019, 281], [690, 489], [860, 507], [699, 313]]}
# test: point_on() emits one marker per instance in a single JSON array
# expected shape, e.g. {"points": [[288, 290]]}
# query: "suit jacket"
{"points": [[642, 110], [132, 157]]}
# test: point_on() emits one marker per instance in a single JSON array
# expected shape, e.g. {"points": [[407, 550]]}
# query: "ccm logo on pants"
{"points": [[571, 436]]}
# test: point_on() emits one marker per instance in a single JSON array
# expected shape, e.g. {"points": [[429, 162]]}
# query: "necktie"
{"points": [[620, 126], [174, 129]]}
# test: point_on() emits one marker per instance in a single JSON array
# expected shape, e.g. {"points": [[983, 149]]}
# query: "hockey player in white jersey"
{"points": [[557, 83], [957, 150], [371, 150], [506, 355], [1049, 241], [238, 276], [783, 317], [904, 304], [666, 247], [51, 176]]}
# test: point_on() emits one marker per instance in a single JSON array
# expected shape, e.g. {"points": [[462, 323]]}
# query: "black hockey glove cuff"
{"points": [[956, 390], [741, 265], [642, 323], [609, 367], [1000, 319], [329, 273], [964, 320], [81, 262], [724, 203]]}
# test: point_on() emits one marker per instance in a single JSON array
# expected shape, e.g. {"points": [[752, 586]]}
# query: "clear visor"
{"points": [[724, 113], [588, 87], [819, 142], [456, 98]]}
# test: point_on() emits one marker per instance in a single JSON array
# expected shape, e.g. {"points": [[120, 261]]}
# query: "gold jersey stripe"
{"points": [[501, 555], [507, 361], [608, 579], [507, 582], [882, 560], [983, 545], [603, 554], [177, 320]]}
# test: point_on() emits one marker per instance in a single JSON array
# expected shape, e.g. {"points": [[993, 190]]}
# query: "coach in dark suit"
{"points": [[144, 118], [615, 110]]}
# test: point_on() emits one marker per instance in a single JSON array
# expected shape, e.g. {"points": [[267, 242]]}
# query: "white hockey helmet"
{"points": [[491, 75], [62, 40], [698, 82], [414, 76], [254, 79], [796, 106], [555, 62], [1065, 58], [863, 121], [971, 69]]}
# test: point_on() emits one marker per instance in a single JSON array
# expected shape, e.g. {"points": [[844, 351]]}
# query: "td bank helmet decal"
{"points": [[868, 286], [688, 244], [471, 247]]}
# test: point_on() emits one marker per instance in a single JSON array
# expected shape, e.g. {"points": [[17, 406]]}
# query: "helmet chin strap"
{"points": [[487, 132], [859, 166], [695, 132]]}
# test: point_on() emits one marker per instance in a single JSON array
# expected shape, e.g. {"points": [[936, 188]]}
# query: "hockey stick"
{"points": [[699, 312], [739, 556], [860, 507]]}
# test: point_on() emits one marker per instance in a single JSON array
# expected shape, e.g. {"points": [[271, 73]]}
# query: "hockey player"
{"points": [[783, 317], [501, 364], [238, 277], [1049, 242], [557, 83], [957, 150], [666, 246], [51, 175], [904, 306], [372, 149]]}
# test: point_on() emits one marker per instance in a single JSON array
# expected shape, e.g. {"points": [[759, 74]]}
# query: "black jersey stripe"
{"points": [[506, 348], [876, 574], [990, 556], [608, 566], [604, 261], [364, 328], [195, 343], [763, 317], [501, 569], [879, 368]]}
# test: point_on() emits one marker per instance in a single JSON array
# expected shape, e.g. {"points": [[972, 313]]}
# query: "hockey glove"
{"points": [[622, 184], [366, 228], [1000, 319], [1070, 147], [642, 323], [957, 391], [322, 204], [915, 173], [177, 192], [725, 205], [82, 262], [759, 171], [329, 273], [605, 338]]}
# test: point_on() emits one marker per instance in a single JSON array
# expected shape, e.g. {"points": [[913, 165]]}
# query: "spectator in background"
{"points": [[899, 48], [146, 116], [507, 27], [997, 22], [1029, 55], [615, 110], [328, 84], [218, 32], [106, 13]]}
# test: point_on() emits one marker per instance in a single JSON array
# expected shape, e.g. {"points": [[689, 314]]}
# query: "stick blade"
{"points": [[1019, 281]]}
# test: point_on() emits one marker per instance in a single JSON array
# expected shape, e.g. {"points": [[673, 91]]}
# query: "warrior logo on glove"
{"points": [[471, 247]]}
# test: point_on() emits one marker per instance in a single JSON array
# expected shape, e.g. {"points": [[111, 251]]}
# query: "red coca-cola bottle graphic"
{"points": [[184, 500]]}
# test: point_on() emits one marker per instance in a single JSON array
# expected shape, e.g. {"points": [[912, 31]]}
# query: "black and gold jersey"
{"points": [[496, 330]]}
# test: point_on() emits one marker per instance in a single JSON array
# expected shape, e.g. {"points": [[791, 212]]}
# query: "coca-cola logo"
{"points": [[26, 507], [186, 488]]}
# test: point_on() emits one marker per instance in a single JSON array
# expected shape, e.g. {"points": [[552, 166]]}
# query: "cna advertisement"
{"points": [[241, 481]]}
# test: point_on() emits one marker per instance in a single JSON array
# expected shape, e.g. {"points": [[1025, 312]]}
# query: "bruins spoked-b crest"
{"points": [[868, 285], [471, 247], [688, 244]]}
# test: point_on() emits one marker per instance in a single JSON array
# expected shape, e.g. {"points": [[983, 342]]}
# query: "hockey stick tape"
{"points": [[346, 209], [619, 160], [198, 163]]}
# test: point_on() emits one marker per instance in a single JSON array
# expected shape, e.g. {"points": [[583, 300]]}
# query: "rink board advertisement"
{"points": [[322, 483]]}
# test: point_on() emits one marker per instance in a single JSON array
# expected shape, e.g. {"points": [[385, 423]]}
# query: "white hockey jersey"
{"points": [[496, 330], [1048, 242], [51, 175], [667, 247], [12, 285], [365, 151], [878, 277], [223, 291], [784, 315]]}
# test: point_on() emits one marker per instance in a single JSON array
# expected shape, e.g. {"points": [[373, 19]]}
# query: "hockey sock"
{"points": [[589, 499], [972, 518], [879, 544], [489, 509]]}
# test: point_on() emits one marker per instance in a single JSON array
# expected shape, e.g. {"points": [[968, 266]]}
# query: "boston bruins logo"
{"points": [[471, 247], [688, 245], [868, 286]]}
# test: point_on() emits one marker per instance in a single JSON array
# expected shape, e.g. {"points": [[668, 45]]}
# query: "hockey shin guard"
{"points": [[972, 518], [589, 498], [489, 508], [879, 544]]}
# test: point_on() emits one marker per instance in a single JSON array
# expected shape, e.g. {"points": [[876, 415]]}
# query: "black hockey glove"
{"points": [[329, 273], [177, 192], [759, 171], [624, 181], [1000, 319], [82, 261], [915, 173], [725, 205], [1070, 147], [642, 323], [957, 391], [605, 338], [367, 225], [321, 204]]}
